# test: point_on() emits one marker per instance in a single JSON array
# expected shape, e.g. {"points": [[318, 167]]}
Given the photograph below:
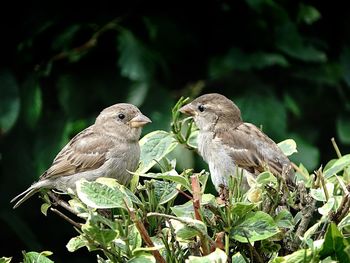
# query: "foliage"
{"points": [[285, 63], [268, 222]]}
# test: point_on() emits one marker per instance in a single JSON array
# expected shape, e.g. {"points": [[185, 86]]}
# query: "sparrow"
{"points": [[108, 148], [226, 142]]}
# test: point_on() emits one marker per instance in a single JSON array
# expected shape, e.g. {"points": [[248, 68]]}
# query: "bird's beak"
{"points": [[188, 110], [139, 121]]}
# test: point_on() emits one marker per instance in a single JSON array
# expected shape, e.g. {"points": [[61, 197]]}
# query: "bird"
{"points": [[108, 148], [226, 142]]}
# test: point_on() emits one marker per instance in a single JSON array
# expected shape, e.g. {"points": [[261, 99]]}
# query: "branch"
{"points": [[144, 234]]}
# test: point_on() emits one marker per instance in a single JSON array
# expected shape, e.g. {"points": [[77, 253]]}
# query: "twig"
{"points": [[342, 211], [183, 193], [196, 192], [319, 175], [143, 232], [61, 203], [335, 146], [77, 225]]}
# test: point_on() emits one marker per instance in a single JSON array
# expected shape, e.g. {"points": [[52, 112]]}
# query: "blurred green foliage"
{"points": [[285, 63]]}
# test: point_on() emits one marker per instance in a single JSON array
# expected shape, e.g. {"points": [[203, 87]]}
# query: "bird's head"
{"points": [[210, 111], [123, 120]]}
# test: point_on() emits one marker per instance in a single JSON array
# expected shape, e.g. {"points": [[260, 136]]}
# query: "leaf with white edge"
{"points": [[143, 258], [345, 222], [300, 256], [97, 195], [44, 207], [255, 226], [266, 178], [241, 209], [288, 147], [338, 166], [5, 260], [218, 256], [284, 219], [327, 207], [75, 243], [186, 209], [134, 237], [154, 147], [188, 228], [319, 194], [100, 235], [238, 258], [36, 257], [165, 191], [176, 179], [311, 231]]}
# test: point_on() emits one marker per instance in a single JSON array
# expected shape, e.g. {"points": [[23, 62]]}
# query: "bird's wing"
{"points": [[251, 149], [86, 151]]}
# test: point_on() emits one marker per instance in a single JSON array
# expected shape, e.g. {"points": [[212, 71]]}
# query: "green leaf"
{"points": [[102, 236], [143, 258], [134, 237], [265, 110], [327, 207], [343, 129], [300, 256], [135, 61], [164, 191], [238, 258], [319, 195], [335, 245], [75, 243], [188, 228], [266, 178], [241, 209], [236, 59], [291, 43], [288, 147], [308, 14], [98, 195], [338, 166], [44, 207], [255, 226], [186, 209], [284, 219], [5, 260], [176, 179], [218, 256], [9, 101], [35, 257], [155, 146], [31, 101]]}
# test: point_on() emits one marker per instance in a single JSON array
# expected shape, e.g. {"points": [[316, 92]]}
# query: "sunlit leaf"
{"points": [[164, 191], [338, 166], [98, 195], [254, 227], [335, 244], [143, 258], [189, 228], [218, 256], [75, 243], [300, 256], [288, 147], [35, 257], [155, 146]]}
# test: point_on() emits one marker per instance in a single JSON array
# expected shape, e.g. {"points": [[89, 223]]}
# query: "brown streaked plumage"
{"points": [[225, 141], [108, 148]]}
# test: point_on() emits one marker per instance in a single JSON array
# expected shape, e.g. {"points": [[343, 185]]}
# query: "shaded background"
{"points": [[285, 63]]}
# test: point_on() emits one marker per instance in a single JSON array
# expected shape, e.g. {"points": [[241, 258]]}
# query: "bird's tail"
{"points": [[28, 193]]}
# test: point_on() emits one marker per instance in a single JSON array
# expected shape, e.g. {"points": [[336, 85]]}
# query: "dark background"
{"points": [[285, 63]]}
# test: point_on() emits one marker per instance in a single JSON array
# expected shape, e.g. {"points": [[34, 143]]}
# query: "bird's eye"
{"points": [[121, 116], [201, 108]]}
